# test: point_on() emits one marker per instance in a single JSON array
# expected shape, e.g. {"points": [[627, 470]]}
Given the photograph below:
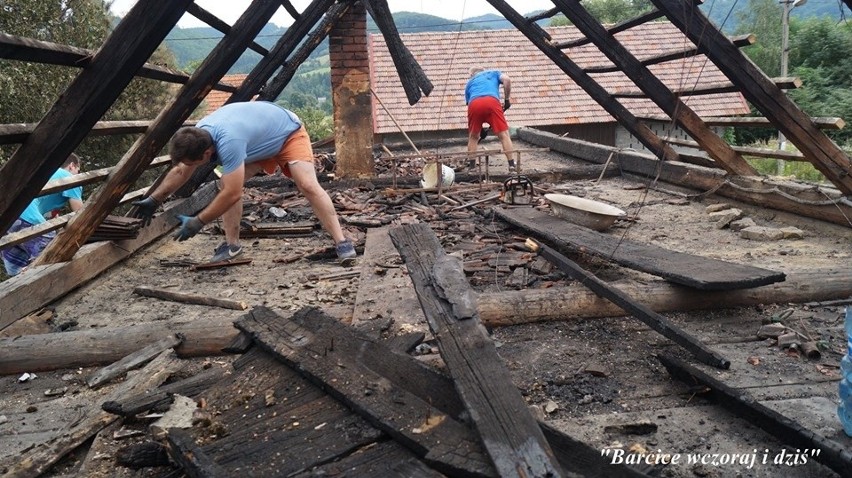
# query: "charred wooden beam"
{"points": [[190, 457], [592, 87], [543, 15], [152, 399], [275, 86], [445, 443], [438, 390], [215, 22], [137, 159], [742, 404], [508, 430], [655, 89], [714, 89], [36, 51], [290, 9], [739, 41], [412, 76], [84, 102], [759, 90], [625, 25], [652, 319]]}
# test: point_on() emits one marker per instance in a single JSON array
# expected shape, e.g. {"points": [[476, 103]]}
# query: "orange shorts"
{"points": [[296, 148]]}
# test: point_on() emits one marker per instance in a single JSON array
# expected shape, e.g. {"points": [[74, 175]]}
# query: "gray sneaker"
{"points": [[345, 249], [226, 252]]}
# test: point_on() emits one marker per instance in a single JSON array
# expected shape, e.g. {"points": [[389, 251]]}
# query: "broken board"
{"points": [[701, 273]]}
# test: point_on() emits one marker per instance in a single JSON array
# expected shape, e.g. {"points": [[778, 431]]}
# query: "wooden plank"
{"points": [[278, 423], [384, 298], [90, 177], [787, 83], [186, 298], [191, 458], [149, 399], [129, 362], [383, 459], [646, 315], [598, 93], [32, 324], [821, 203], [86, 348], [40, 458], [655, 89], [439, 390], [441, 441], [218, 24], [759, 152], [620, 27], [702, 273], [137, 159], [83, 103], [38, 286], [759, 90], [831, 453], [508, 430]]}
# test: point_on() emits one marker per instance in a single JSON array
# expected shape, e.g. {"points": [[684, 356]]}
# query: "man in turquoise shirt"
{"points": [[19, 256]]}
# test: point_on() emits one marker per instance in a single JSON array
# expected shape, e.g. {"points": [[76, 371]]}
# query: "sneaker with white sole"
{"points": [[226, 252], [345, 249]]}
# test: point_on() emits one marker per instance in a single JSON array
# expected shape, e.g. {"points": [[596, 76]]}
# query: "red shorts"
{"points": [[486, 109], [296, 148]]}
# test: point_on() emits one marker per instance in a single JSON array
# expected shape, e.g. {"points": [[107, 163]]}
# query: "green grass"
{"points": [[800, 170]]}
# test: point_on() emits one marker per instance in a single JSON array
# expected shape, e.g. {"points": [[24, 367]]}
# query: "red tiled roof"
{"points": [[542, 94], [216, 99]]}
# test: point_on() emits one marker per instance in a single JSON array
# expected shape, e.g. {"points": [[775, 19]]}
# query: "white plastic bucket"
{"points": [[430, 176]]}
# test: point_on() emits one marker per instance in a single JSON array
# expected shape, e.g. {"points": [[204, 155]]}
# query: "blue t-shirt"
{"points": [[484, 83], [32, 215], [249, 131], [59, 200]]}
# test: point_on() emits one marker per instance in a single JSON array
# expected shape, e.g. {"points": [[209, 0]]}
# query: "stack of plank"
{"points": [[117, 228]]}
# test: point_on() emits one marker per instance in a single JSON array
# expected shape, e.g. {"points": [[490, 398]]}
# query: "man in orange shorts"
{"points": [[482, 97], [244, 138]]}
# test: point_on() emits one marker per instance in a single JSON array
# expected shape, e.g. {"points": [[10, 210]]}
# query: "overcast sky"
{"points": [[230, 10]]}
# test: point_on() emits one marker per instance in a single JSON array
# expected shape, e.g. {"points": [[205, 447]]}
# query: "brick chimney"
{"points": [[350, 86]]}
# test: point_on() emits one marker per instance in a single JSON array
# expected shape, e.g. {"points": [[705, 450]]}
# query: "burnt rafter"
{"points": [[412, 76], [592, 87], [220, 25], [137, 159], [655, 89], [625, 25], [84, 102], [761, 92]]}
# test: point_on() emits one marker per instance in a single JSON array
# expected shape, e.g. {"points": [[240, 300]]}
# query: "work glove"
{"points": [[483, 133], [189, 226], [145, 209], [507, 104]]}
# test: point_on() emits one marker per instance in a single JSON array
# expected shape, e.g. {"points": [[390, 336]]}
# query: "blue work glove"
{"points": [[189, 226], [145, 209], [507, 104]]}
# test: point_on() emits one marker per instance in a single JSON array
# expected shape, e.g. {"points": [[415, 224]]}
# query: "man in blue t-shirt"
{"points": [[19, 256], [482, 97], [245, 138]]}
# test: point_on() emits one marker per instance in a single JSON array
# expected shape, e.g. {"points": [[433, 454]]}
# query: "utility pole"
{"points": [[788, 5]]}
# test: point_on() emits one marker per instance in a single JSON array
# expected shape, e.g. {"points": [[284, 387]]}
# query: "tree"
{"points": [[31, 89]]}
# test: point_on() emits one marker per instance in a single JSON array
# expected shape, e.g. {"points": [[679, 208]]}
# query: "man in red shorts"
{"points": [[482, 97], [244, 138]]}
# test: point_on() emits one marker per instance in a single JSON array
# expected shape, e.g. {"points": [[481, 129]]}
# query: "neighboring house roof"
{"points": [[542, 94], [216, 99]]}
